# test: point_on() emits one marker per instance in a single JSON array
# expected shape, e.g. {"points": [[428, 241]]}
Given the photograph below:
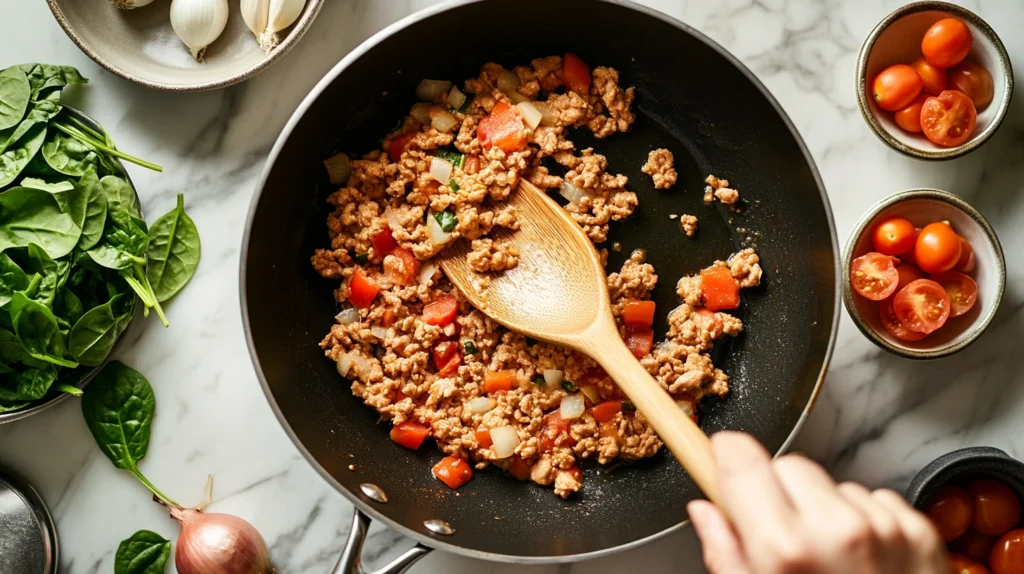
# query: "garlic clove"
{"points": [[283, 13], [256, 13], [198, 23], [130, 4]]}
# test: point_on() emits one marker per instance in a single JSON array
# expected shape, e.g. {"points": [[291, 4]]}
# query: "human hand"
{"points": [[791, 517]]}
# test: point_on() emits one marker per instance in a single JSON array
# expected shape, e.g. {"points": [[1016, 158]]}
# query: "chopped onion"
{"points": [[393, 218], [688, 409], [531, 115], [516, 97], [505, 440], [379, 332], [344, 364], [361, 365], [480, 405], [553, 378], [427, 271], [441, 170], [442, 121], [508, 81], [573, 193], [434, 231], [338, 168], [348, 316], [592, 394], [421, 112], [546, 117], [456, 98], [572, 406], [431, 90]]}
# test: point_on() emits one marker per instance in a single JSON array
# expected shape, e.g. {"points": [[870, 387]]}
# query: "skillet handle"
{"points": [[350, 562]]}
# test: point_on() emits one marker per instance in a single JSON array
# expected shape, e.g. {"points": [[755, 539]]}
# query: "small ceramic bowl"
{"points": [[963, 466], [140, 46], [897, 40], [924, 206]]}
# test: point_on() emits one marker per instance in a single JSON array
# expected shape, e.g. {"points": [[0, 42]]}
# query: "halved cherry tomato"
{"points": [[892, 323], [907, 274], [946, 43], [937, 248], [933, 80], [873, 276], [975, 546], [638, 313], [409, 434], [719, 290], [483, 438], [973, 80], [503, 128], [496, 381], [967, 262], [410, 267], [951, 511], [606, 411], [996, 507], [451, 366], [555, 432], [383, 242], [443, 352], [639, 340], [362, 290], [893, 236], [962, 291], [576, 74], [909, 118], [1008, 554], [949, 119], [961, 564], [922, 306], [398, 145], [518, 467], [441, 311], [896, 87], [453, 471]]}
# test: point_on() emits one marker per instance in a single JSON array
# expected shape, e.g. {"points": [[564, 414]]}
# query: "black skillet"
{"points": [[691, 97]]}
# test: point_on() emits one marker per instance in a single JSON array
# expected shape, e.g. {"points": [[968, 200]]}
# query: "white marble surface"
{"points": [[879, 419]]}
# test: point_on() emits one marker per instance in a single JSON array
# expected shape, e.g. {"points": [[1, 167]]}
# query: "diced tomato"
{"points": [[443, 353], [576, 74], [409, 270], [409, 434], [362, 290], [606, 411], [609, 429], [453, 471], [499, 381], [503, 128], [518, 467], [441, 311], [451, 366], [483, 438], [389, 318], [719, 289], [472, 164], [398, 145], [638, 313], [640, 340], [555, 432], [383, 242]]}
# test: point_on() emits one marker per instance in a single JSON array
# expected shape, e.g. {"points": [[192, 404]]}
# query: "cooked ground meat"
{"points": [[720, 188], [661, 167], [689, 224], [413, 347]]}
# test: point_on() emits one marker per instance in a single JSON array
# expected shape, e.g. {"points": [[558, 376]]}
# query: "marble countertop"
{"points": [[879, 419]]}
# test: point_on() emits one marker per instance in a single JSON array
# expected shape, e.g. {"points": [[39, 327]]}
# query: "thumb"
{"points": [[722, 551]]}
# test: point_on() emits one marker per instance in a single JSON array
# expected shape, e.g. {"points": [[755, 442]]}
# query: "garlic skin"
{"points": [[283, 13], [256, 13], [131, 4], [198, 23]]}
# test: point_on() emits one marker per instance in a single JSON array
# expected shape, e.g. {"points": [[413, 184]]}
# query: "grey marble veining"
{"points": [[878, 420]]}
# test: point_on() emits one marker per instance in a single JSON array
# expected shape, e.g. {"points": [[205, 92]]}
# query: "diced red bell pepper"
{"points": [[518, 467], [389, 318], [606, 411], [409, 434], [497, 381], [503, 128], [576, 74], [443, 352], [410, 267], [608, 430], [441, 311], [555, 432], [453, 471], [383, 242], [640, 340], [398, 396], [362, 290], [483, 438], [719, 289], [638, 313], [452, 366], [398, 145]]}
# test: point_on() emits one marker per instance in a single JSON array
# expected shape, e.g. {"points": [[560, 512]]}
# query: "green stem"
{"points": [[55, 360], [64, 387], [149, 287], [91, 132], [77, 134], [156, 492]]}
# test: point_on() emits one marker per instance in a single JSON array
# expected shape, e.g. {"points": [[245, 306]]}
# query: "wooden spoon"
{"points": [[559, 293]]}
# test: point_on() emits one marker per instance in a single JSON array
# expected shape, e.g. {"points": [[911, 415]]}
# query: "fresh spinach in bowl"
{"points": [[75, 253]]}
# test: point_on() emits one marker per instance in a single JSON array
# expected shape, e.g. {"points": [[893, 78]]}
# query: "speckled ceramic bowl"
{"points": [[924, 206], [139, 45], [897, 40]]}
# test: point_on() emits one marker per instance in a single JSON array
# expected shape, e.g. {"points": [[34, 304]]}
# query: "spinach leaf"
{"points": [[69, 155], [37, 330], [39, 263], [44, 77], [11, 350], [14, 95], [30, 215], [55, 188], [19, 152], [121, 196], [12, 278], [67, 306], [87, 206], [124, 242], [93, 336], [34, 383], [173, 253], [119, 411], [6, 407], [144, 552], [39, 113]]}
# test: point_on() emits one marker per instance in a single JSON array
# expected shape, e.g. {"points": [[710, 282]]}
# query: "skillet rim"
{"points": [[286, 132]]}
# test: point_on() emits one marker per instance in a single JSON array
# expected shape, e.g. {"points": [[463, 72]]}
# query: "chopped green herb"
{"points": [[362, 258], [453, 184], [470, 348], [568, 385], [538, 380], [465, 105], [452, 156], [446, 220], [628, 406]]}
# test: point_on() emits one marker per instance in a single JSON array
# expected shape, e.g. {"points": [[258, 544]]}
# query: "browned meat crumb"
{"points": [[660, 166], [720, 188], [689, 224], [490, 256]]}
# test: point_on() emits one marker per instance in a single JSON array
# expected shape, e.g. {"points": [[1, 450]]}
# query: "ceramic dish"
{"points": [[924, 206], [962, 466], [139, 45], [897, 40]]}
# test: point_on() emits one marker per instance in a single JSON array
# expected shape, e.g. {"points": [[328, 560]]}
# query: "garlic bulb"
{"points": [[268, 17], [255, 14], [129, 4], [198, 23]]}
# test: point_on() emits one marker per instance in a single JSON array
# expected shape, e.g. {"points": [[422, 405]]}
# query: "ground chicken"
{"points": [[490, 256], [660, 166], [719, 188], [689, 224]]}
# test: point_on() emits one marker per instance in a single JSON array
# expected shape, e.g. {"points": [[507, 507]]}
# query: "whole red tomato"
{"points": [[1008, 553]]}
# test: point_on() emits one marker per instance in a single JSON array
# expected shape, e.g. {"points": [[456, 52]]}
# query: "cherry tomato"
{"points": [[892, 323], [996, 507], [362, 290], [937, 248], [896, 87], [409, 434], [951, 510], [962, 291], [975, 546], [961, 564], [946, 43], [638, 313], [719, 290], [967, 262], [907, 273], [874, 276], [949, 119], [453, 471], [922, 306], [893, 236], [398, 145], [1008, 554], [909, 118], [576, 74], [933, 80], [409, 269], [973, 80], [441, 311]]}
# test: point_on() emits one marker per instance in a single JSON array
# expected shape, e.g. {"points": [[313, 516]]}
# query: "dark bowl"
{"points": [[962, 466]]}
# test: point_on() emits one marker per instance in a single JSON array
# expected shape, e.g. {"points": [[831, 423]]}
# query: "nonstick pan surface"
{"points": [[691, 97]]}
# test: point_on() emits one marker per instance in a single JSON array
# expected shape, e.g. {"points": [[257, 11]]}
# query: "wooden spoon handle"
{"points": [[684, 438]]}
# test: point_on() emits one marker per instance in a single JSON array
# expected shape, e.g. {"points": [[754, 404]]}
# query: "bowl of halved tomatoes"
{"points": [[923, 274], [934, 81]]}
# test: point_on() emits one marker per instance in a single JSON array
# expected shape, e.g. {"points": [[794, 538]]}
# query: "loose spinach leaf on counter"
{"points": [[15, 93], [144, 552], [173, 252], [29, 215], [94, 334], [118, 410], [37, 330]]}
